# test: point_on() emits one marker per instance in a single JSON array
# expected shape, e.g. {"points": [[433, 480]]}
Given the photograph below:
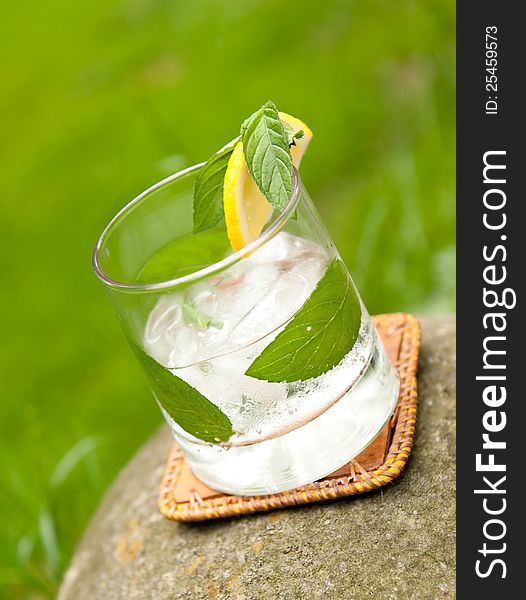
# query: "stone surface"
{"points": [[396, 543]]}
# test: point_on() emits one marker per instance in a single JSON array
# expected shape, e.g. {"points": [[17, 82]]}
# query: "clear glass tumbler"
{"points": [[264, 362]]}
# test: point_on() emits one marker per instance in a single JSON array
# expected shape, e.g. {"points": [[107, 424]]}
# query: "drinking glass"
{"points": [[239, 347]]}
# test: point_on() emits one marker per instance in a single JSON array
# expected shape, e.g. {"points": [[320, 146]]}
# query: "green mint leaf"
{"points": [[208, 189], [187, 407], [186, 254], [321, 333], [297, 135], [291, 134], [194, 316], [267, 153]]}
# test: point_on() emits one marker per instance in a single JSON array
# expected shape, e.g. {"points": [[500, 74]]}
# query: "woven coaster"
{"points": [[183, 497]]}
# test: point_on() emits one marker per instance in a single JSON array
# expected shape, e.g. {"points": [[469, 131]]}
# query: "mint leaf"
{"points": [[291, 134], [187, 407], [194, 316], [297, 135], [267, 154], [321, 333], [208, 189], [185, 255]]}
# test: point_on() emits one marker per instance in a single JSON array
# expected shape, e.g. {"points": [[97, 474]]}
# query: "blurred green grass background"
{"points": [[99, 100]]}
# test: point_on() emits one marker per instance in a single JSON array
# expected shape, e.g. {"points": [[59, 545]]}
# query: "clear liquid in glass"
{"points": [[287, 434]]}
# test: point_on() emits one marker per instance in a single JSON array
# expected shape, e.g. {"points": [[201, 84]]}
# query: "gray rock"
{"points": [[396, 543]]}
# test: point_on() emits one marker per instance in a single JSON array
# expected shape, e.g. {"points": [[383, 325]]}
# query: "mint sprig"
{"points": [[194, 316], [186, 406], [267, 153], [321, 333], [266, 147], [291, 134], [208, 189]]}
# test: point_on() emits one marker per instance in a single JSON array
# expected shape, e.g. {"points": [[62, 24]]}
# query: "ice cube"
{"points": [[279, 247], [247, 302]]}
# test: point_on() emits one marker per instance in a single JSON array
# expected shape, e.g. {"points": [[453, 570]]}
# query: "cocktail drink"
{"points": [[259, 351]]}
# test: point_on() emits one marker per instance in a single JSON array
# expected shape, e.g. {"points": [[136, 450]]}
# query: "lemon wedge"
{"points": [[247, 210], [299, 147]]}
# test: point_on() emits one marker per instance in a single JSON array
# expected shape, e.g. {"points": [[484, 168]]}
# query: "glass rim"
{"points": [[266, 235]]}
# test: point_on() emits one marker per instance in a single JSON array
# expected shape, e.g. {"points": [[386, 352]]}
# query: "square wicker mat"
{"points": [[183, 497]]}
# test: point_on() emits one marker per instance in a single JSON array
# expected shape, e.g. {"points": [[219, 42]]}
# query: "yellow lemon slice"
{"points": [[299, 147], [247, 210]]}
